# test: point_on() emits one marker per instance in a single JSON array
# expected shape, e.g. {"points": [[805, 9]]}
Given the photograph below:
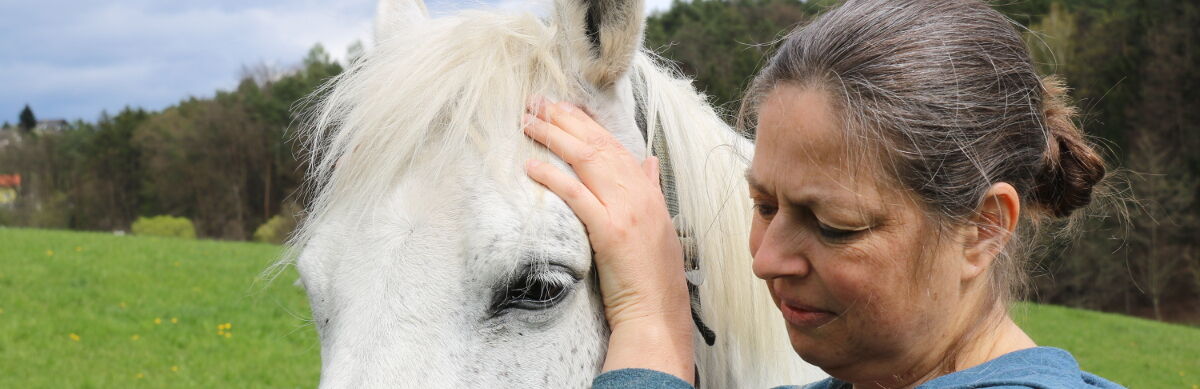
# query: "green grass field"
{"points": [[84, 310], [95, 310], [1134, 352]]}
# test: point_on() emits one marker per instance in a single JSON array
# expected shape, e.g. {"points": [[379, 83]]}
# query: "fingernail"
{"points": [[533, 103]]}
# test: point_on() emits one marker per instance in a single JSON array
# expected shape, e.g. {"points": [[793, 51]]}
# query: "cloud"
{"points": [[74, 58], [93, 56]]}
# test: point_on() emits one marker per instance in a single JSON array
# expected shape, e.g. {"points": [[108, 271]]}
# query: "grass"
{"points": [[82, 310], [87, 310], [1134, 352]]}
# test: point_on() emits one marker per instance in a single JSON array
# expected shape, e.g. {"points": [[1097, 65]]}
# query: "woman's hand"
{"points": [[638, 257]]}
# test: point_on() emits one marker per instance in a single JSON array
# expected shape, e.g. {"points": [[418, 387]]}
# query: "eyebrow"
{"points": [[754, 184]]}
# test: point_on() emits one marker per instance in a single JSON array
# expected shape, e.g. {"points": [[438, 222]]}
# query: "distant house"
{"points": [[53, 125], [9, 136], [8, 188]]}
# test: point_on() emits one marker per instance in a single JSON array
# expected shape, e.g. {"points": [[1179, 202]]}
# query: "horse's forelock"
{"points": [[420, 97]]}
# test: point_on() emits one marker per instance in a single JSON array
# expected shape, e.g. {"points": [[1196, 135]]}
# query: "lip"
{"points": [[804, 316]]}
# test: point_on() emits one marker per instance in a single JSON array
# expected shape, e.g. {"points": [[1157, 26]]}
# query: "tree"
{"points": [[28, 121], [1163, 143], [723, 43]]}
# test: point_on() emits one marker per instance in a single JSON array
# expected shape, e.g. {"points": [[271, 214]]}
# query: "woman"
{"points": [[900, 144]]}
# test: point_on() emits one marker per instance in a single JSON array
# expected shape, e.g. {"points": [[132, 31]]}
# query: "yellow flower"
{"points": [[49, 253], [78, 249], [220, 332], [74, 337], [228, 335], [1, 311], [122, 305], [135, 337], [158, 320], [139, 375], [174, 320], [176, 263], [174, 368]]}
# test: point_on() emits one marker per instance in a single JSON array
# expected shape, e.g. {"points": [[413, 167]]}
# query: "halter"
{"points": [[691, 251]]}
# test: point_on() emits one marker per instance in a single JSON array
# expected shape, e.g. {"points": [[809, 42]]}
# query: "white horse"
{"points": [[432, 261]]}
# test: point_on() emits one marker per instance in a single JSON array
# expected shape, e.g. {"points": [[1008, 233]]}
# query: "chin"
{"points": [[817, 350]]}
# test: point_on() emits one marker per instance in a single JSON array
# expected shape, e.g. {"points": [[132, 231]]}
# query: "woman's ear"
{"points": [[991, 227]]}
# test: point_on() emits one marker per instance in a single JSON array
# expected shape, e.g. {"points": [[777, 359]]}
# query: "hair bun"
{"points": [[1071, 167]]}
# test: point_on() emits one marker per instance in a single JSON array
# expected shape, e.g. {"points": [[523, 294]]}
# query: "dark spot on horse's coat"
{"points": [[326, 321], [591, 27]]}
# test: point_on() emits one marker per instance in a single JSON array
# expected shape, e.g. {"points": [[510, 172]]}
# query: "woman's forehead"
{"points": [[805, 152]]}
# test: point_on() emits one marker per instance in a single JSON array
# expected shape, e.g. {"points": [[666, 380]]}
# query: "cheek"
{"points": [[881, 296], [866, 281]]}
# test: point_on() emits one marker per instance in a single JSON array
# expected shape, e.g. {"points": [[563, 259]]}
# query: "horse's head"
{"points": [[429, 259]]}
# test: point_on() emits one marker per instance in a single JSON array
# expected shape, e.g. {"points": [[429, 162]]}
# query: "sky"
{"points": [[72, 59]]}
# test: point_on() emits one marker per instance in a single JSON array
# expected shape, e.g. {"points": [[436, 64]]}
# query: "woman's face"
{"points": [[868, 291]]}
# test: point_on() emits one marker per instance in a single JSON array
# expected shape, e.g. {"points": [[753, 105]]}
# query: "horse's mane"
{"points": [[708, 163], [463, 81]]}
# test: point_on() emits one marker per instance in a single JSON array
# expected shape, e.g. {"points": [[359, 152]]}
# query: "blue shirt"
{"points": [[1035, 368]]}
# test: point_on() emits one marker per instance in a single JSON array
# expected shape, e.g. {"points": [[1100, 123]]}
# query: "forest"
{"points": [[229, 162]]}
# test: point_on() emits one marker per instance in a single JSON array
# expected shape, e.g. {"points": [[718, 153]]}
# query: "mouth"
{"points": [[804, 316]]}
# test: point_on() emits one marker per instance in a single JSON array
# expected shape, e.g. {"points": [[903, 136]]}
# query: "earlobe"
{"points": [[991, 228]]}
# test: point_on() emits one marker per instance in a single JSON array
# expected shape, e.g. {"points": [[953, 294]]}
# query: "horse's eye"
{"points": [[535, 289]]}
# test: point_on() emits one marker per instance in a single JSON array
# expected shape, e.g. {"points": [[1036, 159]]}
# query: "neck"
{"points": [[1005, 338], [995, 337]]}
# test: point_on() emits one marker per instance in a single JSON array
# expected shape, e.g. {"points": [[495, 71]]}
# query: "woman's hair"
{"points": [[946, 92]]}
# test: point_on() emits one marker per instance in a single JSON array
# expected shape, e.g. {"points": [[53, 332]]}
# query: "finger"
{"points": [[572, 150], [599, 164], [650, 167], [577, 196], [570, 118]]}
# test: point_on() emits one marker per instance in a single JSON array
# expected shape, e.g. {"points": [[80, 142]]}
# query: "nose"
{"points": [[778, 251]]}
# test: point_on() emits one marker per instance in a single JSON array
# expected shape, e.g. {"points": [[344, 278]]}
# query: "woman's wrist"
{"points": [[659, 342]]}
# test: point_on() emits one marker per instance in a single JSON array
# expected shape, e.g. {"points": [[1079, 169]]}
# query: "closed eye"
{"points": [[837, 234], [537, 288]]}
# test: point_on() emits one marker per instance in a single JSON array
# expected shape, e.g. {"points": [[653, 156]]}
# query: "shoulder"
{"points": [[639, 379], [1035, 368]]}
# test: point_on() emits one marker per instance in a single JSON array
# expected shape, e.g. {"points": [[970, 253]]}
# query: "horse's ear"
{"points": [[610, 31], [394, 15]]}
